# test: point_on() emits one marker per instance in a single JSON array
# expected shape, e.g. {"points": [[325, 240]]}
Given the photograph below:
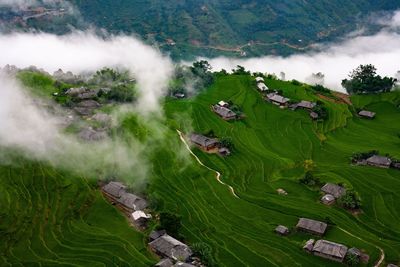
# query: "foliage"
{"points": [[322, 112], [296, 82], [357, 156], [228, 143], [204, 252], [121, 93], [321, 89], [352, 260], [309, 179], [365, 80], [350, 200], [171, 223], [240, 70]]}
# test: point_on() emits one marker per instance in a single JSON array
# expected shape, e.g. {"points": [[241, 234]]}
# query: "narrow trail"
{"points": [[381, 259], [217, 173]]}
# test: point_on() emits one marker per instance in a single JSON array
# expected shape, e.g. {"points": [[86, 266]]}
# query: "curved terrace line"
{"points": [[217, 173]]}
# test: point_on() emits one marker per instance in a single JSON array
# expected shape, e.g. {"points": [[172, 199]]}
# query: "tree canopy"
{"points": [[364, 79]]}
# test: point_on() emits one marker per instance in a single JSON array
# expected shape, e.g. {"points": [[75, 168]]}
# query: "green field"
{"points": [[49, 217]]}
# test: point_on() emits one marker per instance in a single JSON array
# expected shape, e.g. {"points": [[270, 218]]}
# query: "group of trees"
{"points": [[350, 200], [309, 179], [364, 79]]}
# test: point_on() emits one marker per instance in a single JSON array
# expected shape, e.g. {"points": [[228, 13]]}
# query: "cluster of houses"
{"points": [[133, 205], [283, 102], [174, 253], [223, 110], [208, 144], [380, 162], [331, 193], [322, 248]]}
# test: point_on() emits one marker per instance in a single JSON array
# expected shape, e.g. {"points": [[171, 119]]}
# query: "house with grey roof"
{"points": [[309, 245], [379, 161], [306, 104], [311, 226], [132, 202], [224, 112], [169, 247], [204, 142], [330, 250], [114, 189], [277, 99], [262, 87], [259, 79], [328, 199], [156, 234], [314, 115], [165, 263], [367, 114], [334, 190], [282, 230]]}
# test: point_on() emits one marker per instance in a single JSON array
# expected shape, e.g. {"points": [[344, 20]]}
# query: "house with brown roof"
{"points": [[311, 226], [224, 112], [379, 161], [168, 246], [204, 142], [330, 250], [367, 114], [278, 99], [334, 190]]}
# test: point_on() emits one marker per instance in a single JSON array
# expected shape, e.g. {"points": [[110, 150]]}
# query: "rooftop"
{"points": [[115, 189], [203, 140], [312, 225], [132, 201], [306, 104], [366, 113], [277, 98], [379, 160], [330, 248], [334, 190], [170, 247], [223, 111]]}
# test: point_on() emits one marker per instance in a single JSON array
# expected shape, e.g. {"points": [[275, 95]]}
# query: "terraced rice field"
{"points": [[49, 217]]}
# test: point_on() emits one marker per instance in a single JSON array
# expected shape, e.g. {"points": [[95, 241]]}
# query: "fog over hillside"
{"points": [[334, 60]]}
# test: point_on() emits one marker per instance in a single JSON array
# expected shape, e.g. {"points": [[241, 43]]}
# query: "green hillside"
{"points": [[50, 217], [218, 27]]}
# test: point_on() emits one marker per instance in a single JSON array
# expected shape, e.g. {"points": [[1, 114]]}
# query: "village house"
{"points": [[156, 234], [282, 230], [334, 190], [328, 199], [259, 79], [314, 115], [165, 263], [392, 265], [140, 217], [132, 202], [204, 142], [114, 189], [168, 246], [367, 114], [311, 226], [379, 161], [89, 134], [223, 104], [306, 105], [179, 95], [309, 245], [224, 112], [354, 251], [278, 99], [330, 250], [262, 87]]}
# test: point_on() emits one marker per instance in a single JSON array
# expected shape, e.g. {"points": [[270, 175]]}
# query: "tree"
{"points": [[365, 80], [350, 200], [240, 70], [204, 252], [171, 223]]}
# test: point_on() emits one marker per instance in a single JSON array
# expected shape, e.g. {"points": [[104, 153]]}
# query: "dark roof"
{"points": [[202, 140], [314, 115], [223, 111], [277, 98], [165, 263], [312, 225], [132, 201], [379, 160], [281, 229], [367, 114], [115, 189], [156, 234], [306, 104], [334, 190], [170, 247], [330, 248]]}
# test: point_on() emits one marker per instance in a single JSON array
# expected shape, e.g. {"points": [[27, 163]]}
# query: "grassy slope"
{"points": [[49, 217], [271, 146]]}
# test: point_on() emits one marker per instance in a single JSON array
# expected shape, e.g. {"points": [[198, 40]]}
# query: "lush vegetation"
{"points": [[365, 80], [49, 216]]}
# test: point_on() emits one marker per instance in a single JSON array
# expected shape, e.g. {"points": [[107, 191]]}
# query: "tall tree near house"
{"points": [[365, 80]]}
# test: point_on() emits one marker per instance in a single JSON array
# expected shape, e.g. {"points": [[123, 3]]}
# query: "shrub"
{"points": [[171, 223], [204, 252], [352, 260], [309, 179], [350, 200]]}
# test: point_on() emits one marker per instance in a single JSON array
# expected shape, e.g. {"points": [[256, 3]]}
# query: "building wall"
{"points": [[328, 257]]}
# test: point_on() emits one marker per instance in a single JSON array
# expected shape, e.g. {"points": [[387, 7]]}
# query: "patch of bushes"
{"points": [[204, 252], [321, 89], [352, 260], [172, 223], [350, 200], [321, 111], [228, 143], [309, 179], [358, 156]]}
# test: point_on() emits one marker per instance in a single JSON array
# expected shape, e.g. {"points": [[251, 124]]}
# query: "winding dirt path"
{"points": [[217, 173], [381, 259]]}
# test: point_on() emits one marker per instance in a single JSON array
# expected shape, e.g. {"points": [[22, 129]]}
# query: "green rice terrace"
{"points": [[51, 217]]}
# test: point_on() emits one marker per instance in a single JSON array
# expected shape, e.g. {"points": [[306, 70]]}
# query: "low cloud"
{"points": [[335, 61], [82, 52]]}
